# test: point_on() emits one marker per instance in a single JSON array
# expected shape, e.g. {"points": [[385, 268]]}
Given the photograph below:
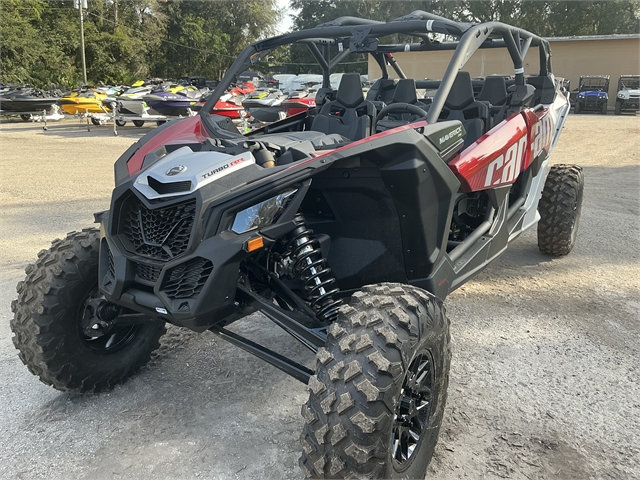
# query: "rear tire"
{"points": [[377, 399], [25, 117], [618, 110], [560, 207], [95, 121], [138, 123], [121, 123], [47, 323]]}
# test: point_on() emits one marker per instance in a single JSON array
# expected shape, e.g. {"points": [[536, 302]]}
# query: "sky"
{"points": [[285, 24]]}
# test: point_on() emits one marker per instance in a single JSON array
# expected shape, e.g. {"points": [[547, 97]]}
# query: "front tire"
{"points": [[603, 109], [48, 322], [560, 207], [618, 110], [121, 123], [576, 109], [377, 398], [138, 123]]}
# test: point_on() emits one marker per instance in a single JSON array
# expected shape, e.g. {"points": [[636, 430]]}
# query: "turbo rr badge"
{"points": [[175, 170]]}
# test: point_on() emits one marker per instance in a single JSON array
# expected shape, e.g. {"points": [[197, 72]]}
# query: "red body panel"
{"points": [[500, 155], [189, 130]]}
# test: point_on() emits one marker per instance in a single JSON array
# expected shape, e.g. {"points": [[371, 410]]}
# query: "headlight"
{"points": [[262, 214]]}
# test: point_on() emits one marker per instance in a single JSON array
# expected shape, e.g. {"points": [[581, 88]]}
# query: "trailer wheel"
{"points": [[618, 110], [25, 117], [138, 123], [121, 123], [377, 399], [160, 122], [51, 304], [560, 207]]}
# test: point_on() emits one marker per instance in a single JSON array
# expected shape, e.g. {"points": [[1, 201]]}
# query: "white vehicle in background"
{"points": [[628, 98]]}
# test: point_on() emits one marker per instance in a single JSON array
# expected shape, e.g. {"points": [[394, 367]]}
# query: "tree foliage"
{"points": [[127, 40]]}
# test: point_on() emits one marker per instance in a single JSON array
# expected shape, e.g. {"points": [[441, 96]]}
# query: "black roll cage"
{"points": [[360, 35]]}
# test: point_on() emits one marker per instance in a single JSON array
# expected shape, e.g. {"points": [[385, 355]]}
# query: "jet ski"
{"points": [[302, 99], [230, 104], [265, 105], [25, 99], [174, 103], [84, 100]]}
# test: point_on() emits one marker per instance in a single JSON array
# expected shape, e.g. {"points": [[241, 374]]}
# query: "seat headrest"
{"points": [[382, 90], [461, 94], [405, 91], [494, 91], [350, 90]]}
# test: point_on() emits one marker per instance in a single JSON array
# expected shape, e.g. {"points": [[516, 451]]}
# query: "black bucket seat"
{"points": [[349, 114], [462, 105]]}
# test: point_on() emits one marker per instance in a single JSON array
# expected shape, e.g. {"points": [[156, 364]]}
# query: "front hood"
{"points": [[626, 93], [184, 171], [594, 93]]}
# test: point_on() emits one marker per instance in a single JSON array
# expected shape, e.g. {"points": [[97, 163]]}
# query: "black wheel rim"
{"points": [[114, 339], [413, 412]]}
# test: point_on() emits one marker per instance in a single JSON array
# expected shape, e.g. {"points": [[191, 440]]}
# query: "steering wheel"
{"points": [[398, 108]]}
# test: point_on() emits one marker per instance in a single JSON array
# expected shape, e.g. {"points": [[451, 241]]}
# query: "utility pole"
{"points": [[80, 4]]}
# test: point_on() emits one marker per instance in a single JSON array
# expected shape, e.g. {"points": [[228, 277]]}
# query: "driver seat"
{"points": [[406, 92], [349, 115], [462, 105]]}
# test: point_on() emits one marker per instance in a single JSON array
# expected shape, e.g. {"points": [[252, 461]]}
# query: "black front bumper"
{"points": [[187, 281]]}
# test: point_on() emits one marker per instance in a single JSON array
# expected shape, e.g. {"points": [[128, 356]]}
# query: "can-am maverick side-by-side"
{"points": [[593, 94], [347, 225], [628, 98]]}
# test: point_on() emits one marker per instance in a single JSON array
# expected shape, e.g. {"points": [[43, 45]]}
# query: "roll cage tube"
{"points": [[352, 32]]}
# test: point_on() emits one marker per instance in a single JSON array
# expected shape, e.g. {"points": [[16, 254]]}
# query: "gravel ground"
{"points": [[545, 380]]}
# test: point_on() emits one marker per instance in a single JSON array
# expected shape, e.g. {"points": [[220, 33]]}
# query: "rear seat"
{"points": [[494, 92]]}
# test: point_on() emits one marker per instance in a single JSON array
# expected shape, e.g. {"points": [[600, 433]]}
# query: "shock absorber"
{"points": [[312, 268]]}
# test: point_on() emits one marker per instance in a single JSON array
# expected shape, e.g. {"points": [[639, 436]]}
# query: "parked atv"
{"points": [[628, 98], [347, 225], [592, 94]]}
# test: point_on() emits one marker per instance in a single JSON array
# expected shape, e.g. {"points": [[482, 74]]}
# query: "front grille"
{"points": [[160, 234], [149, 273], [187, 280]]}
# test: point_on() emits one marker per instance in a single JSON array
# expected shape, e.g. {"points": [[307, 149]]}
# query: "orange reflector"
{"points": [[255, 244]]}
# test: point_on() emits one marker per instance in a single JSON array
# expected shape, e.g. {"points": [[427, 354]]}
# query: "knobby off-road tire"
{"points": [[47, 322], [386, 355], [560, 207]]}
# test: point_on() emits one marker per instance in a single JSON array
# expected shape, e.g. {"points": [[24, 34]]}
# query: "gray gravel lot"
{"points": [[545, 379]]}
